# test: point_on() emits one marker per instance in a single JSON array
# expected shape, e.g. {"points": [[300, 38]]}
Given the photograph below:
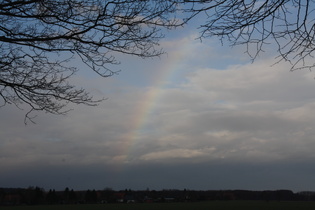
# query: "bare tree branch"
{"points": [[287, 24], [39, 37]]}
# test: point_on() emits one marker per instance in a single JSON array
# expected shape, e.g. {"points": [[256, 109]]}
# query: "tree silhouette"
{"points": [[287, 24], [39, 38], [52, 197], [91, 196]]}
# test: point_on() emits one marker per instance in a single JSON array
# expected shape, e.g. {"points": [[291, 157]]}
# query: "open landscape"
{"points": [[35, 198], [157, 105], [214, 205]]}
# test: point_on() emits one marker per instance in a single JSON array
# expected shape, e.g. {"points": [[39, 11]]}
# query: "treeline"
{"points": [[37, 195]]}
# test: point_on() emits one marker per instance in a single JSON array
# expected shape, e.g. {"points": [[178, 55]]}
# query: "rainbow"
{"points": [[167, 72]]}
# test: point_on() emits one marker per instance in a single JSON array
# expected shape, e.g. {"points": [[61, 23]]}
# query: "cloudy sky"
{"points": [[202, 116]]}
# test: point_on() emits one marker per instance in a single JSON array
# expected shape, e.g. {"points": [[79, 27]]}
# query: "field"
{"points": [[213, 205]]}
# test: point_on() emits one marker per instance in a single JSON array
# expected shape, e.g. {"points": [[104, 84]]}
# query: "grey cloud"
{"points": [[247, 126]]}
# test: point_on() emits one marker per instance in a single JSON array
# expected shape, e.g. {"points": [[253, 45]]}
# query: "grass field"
{"points": [[213, 205]]}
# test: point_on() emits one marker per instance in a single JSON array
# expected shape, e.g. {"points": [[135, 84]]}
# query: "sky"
{"points": [[202, 116]]}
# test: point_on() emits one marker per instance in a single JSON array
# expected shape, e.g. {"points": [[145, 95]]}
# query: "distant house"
{"points": [[169, 199], [129, 199], [119, 197]]}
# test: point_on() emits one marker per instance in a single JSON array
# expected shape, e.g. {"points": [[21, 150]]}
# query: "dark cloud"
{"points": [[203, 176]]}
